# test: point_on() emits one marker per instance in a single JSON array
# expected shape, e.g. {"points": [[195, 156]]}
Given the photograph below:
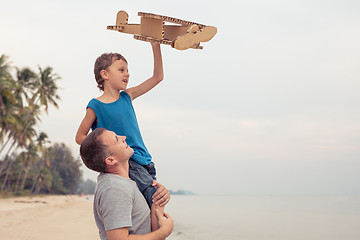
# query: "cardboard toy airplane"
{"points": [[153, 29]]}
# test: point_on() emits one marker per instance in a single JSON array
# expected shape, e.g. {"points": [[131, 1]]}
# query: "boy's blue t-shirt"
{"points": [[119, 116]]}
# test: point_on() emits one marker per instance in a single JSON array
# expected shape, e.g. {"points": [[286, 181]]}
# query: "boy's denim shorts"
{"points": [[143, 176]]}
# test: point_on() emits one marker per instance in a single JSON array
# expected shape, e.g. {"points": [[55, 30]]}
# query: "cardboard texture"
{"points": [[152, 28]]}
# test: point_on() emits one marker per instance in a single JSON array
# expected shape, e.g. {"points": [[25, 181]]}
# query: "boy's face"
{"points": [[117, 145], [117, 75]]}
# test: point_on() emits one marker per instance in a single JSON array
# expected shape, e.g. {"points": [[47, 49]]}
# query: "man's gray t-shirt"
{"points": [[118, 203]]}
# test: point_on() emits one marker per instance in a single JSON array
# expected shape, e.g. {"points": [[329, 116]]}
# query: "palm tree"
{"points": [[5, 181], [46, 88], [5, 81], [45, 157], [26, 132], [7, 122], [18, 92], [45, 177], [26, 82], [18, 133], [20, 107], [7, 97], [20, 139], [7, 109], [45, 91], [27, 159]]}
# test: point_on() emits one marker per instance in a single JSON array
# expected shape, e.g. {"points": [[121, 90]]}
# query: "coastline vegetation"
{"points": [[29, 162]]}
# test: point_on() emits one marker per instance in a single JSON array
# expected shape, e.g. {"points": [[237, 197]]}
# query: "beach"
{"points": [[196, 217], [47, 217]]}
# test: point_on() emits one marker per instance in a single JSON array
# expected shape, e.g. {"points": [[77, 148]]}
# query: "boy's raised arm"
{"points": [[157, 77]]}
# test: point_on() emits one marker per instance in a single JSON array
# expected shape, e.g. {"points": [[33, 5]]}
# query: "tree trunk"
{"points": [[38, 186], [2, 105], [24, 179], [6, 177], [18, 181], [36, 179], [3, 165], [7, 141]]}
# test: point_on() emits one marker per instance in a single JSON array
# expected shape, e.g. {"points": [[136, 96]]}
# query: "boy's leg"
{"points": [[143, 179], [144, 176], [151, 170]]}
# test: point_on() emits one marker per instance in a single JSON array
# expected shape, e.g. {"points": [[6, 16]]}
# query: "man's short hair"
{"points": [[93, 152]]}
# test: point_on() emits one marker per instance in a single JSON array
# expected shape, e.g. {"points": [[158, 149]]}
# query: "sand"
{"points": [[47, 217]]}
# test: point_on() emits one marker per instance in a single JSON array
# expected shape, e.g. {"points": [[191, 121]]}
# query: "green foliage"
{"points": [[28, 164], [61, 176], [57, 183], [67, 167], [87, 187]]}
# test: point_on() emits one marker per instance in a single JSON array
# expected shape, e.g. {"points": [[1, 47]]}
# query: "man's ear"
{"points": [[104, 74], [110, 161]]}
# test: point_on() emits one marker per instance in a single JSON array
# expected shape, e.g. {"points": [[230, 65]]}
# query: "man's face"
{"points": [[117, 145]]}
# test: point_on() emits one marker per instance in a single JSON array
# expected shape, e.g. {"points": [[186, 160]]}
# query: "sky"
{"points": [[269, 106]]}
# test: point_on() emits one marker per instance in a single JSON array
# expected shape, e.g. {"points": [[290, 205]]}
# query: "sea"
{"points": [[207, 217]]}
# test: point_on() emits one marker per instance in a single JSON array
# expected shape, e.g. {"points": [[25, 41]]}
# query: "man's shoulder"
{"points": [[108, 181], [113, 189], [110, 177]]}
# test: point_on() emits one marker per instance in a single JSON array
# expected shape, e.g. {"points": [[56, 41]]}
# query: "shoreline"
{"points": [[196, 217]]}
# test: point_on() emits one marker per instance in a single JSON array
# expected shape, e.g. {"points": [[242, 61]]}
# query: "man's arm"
{"points": [[157, 77], [166, 224]]}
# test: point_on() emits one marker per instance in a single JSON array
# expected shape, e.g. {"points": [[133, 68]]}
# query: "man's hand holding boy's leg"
{"points": [[162, 196]]}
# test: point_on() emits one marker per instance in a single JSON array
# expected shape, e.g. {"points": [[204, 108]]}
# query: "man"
{"points": [[120, 210]]}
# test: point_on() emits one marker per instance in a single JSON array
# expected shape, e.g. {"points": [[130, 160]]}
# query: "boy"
{"points": [[113, 111]]}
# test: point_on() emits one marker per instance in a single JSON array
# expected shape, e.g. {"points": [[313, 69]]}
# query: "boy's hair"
{"points": [[102, 63], [93, 152]]}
